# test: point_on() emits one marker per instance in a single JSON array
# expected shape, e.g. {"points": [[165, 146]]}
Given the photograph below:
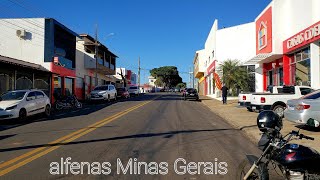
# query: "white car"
{"points": [[134, 90], [22, 103], [104, 92]]}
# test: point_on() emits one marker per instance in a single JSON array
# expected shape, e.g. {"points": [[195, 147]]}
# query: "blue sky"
{"points": [[161, 32]]}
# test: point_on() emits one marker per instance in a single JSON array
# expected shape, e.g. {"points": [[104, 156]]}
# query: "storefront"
{"points": [[63, 81], [18, 75], [302, 57]]}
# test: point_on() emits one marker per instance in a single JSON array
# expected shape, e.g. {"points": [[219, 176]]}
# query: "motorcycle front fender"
{"points": [[252, 158]]}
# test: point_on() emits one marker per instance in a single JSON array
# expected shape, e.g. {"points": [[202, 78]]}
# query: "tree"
{"points": [[181, 85], [167, 76], [234, 75]]}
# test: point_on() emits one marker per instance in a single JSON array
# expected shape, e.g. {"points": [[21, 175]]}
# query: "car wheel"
{"points": [[22, 115], [279, 109], [47, 111]]}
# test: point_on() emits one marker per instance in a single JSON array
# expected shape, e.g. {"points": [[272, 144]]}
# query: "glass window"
{"points": [[305, 91], [68, 86], [280, 76], [24, 80], [314, 95], [57, 92], [99, 88], [303, 73], [15, 95], [39, 94], [31, 96], [270, 78]]}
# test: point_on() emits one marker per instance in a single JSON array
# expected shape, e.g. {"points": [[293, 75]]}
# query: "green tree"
{"points": [[181, 85], [167, 76], [234, 75]]}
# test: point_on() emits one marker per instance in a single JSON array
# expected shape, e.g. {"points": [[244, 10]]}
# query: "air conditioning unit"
{"points": [[21, 33]]}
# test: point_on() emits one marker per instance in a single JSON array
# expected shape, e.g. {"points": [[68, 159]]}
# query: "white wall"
{"points": [[290, 17], [210, 46], [237, 42], [315, 64], [31, 48], [201, 60]]}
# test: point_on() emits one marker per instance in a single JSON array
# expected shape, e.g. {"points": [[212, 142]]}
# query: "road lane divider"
{"points": [[30, 156]]}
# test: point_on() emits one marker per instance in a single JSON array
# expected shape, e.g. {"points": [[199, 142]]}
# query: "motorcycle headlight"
{"points": [[11, 107]]}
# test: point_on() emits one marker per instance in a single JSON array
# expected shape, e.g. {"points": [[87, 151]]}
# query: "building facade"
{"points": [[67, 56], [235, 43], [287, 44], [89, 72]]}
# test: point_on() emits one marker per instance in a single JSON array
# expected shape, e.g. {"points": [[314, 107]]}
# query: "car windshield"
{"points": [[120, 89], [314, 95], [15, 95], [133, 87], [101, 88]]}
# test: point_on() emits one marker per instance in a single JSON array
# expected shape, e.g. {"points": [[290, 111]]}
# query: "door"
{"points": [[41, 101], [31, 103]]}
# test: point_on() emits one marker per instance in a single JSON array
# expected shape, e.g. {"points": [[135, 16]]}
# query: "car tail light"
{"points": [[263, 100], [300, 107], [244, 98]]}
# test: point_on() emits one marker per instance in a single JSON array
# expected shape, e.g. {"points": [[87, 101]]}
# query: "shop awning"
{"points": [[21, 63], [262, 58]]}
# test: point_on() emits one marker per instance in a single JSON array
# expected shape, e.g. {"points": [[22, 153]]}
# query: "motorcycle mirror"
{"points": [[313, 123]]}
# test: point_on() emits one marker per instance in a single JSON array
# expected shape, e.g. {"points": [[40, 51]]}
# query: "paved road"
{"points": [[153, 131]]}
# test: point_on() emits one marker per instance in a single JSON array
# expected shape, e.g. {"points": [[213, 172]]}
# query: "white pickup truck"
{"points": [[277, 102], [244, 99]]}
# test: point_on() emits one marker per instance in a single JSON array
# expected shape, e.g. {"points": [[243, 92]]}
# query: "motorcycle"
{"points": [[68, 102], [296, 162]]}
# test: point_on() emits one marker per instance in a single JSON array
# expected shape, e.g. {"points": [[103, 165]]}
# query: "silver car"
{"points": [[303, 109]]}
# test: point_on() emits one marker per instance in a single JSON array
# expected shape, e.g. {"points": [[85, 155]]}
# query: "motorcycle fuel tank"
{"points": [[299, 158]]}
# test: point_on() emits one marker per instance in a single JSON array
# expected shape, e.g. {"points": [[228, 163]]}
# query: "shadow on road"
{"points": [[87, 109], [169, 134]]}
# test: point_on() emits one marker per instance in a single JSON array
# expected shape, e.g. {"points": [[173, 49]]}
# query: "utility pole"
{"points": [[139, 68], [96, 55], [190, 77]]}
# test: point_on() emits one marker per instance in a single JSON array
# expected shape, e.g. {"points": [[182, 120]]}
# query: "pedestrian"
{"points": [[224, 90]]}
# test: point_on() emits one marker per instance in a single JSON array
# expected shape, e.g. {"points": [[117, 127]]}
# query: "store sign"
{"points": [[306, 36]]}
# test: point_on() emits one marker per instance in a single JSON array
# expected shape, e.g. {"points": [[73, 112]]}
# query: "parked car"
{"points": [[23, 103], [123, 93], [278, 102], [303, 109], [244, 99], [104, 92], [134, 90], [191, 93]]}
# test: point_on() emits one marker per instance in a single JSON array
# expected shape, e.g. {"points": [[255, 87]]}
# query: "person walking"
{"points": [[224, 90]]}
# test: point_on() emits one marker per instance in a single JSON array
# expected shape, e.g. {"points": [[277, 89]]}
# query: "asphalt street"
{"points": [[158, 135]]}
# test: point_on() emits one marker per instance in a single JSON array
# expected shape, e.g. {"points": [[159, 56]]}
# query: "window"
{"points": [[39, 94], [31, 96], [301, 68], [314, 95], [280, 76], [305, 91], [270, 77], [262, 36]]}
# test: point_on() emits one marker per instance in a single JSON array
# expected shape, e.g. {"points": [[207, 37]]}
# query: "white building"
{"points": [[235, 43], [287, 44]]}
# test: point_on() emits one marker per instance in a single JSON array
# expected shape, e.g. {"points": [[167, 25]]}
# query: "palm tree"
{"points": [[234, 75]]}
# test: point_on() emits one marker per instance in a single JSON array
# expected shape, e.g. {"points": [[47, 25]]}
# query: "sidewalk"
{"points": [[244, 120]]}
